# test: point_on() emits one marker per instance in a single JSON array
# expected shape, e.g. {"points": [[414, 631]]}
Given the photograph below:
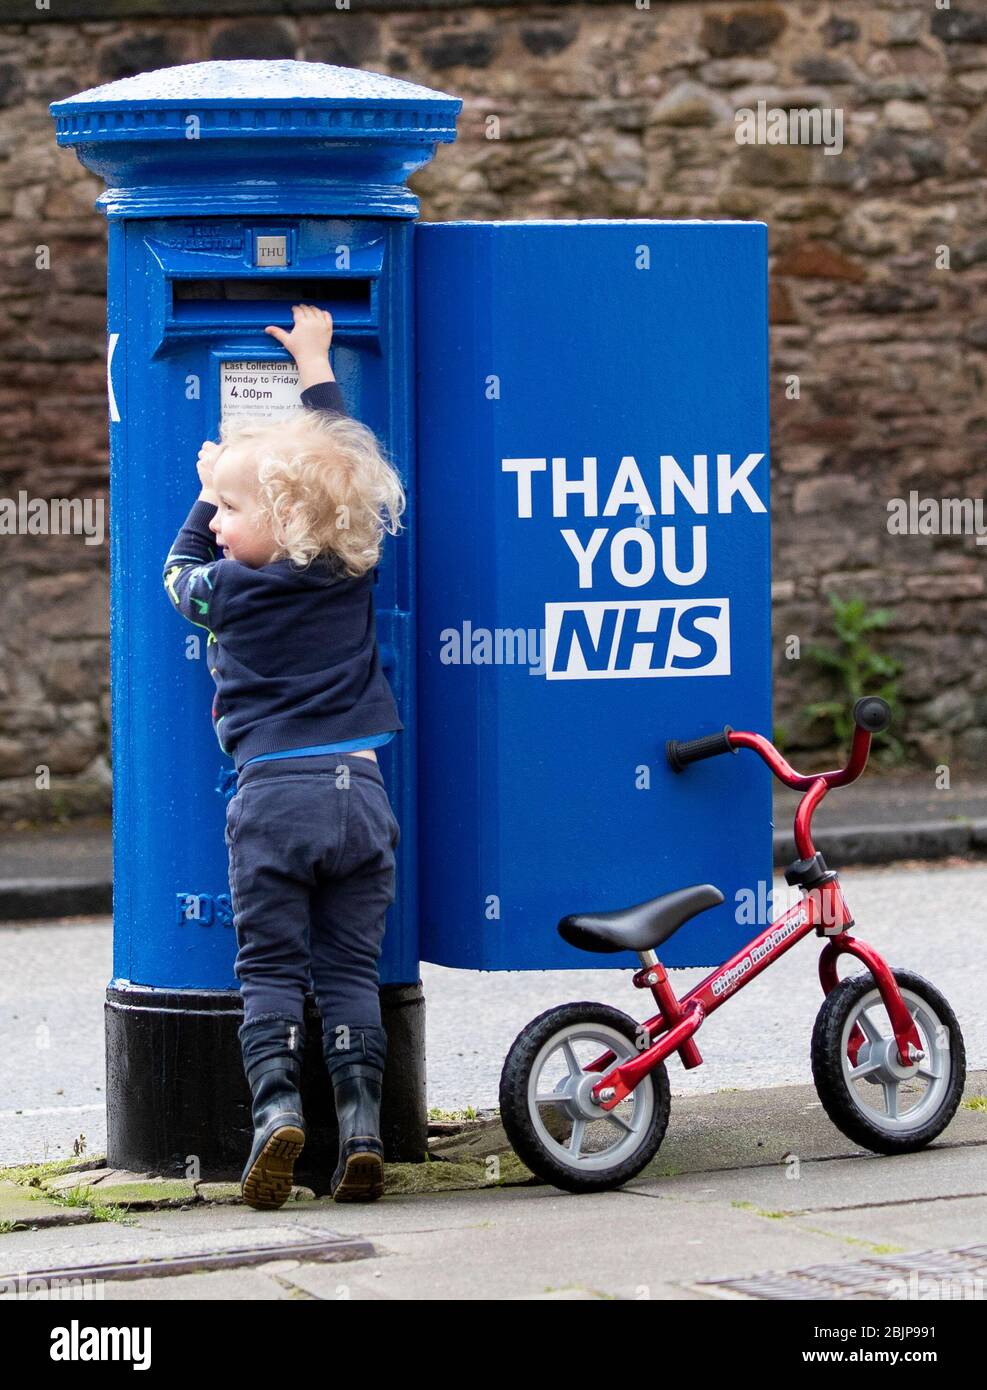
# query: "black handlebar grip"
{"points": [[694, 749], [872, 713]]}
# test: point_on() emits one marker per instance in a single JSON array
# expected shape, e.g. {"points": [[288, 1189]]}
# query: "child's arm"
{"points": [[324, 395], [309, 345], [190, 571], [309, 342]]}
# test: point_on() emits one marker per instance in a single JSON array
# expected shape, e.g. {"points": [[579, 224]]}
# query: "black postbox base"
{"points": [[178, 1102]]}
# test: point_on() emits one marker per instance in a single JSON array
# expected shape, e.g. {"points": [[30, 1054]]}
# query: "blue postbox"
{"points": [[580, 411], [235, 189]]}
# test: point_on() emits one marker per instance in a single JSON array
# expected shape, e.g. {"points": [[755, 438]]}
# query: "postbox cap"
{"points": [[268, 134]]}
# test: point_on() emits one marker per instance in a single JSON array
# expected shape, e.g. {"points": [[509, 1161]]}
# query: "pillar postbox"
{"points": [[234, 189]]}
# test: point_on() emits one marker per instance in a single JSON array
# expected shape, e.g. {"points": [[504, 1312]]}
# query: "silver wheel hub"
{"points": [[896, 1097]]}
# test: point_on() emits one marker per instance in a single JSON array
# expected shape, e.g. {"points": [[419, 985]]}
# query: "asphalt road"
{"points": [[53, 977]]}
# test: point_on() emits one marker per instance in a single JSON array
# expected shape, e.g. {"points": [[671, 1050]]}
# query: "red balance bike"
{"points": [[888, 1059]]}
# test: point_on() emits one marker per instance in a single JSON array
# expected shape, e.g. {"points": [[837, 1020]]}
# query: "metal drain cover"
{"points": [[941, 1275]]}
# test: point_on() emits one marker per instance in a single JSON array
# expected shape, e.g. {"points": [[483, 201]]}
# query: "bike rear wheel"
{"points": [[548, 1115], [864, 1088]]}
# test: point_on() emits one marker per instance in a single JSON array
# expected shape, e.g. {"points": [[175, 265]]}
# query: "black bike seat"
{"points": [[641, 927]]}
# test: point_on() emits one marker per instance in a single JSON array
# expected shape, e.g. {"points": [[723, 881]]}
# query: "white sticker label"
{"points": [[269, 389]]}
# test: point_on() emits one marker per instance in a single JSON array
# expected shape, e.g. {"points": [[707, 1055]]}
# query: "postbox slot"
{"points": [[242, 298]]}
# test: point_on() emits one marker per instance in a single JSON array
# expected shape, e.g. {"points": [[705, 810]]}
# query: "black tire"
{"points": [[517, 1119], [837, 1094]]}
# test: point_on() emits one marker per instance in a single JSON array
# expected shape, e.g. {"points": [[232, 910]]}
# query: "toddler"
{"points": [[298, 509]]}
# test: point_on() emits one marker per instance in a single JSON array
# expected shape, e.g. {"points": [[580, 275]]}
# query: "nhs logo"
{"points": [[657, 637]]}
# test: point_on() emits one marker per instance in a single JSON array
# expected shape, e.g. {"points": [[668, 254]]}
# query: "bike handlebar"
{"points": [[871, 715], [694, 749]]}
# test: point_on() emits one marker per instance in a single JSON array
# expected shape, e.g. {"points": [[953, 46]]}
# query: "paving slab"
{"points": [[952, 1221], [939, 1172], [136, 1252], [28, 1206], [256, 1284]]}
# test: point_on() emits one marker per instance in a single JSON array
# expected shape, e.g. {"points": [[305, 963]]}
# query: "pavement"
{"points": [[61, 870], [754, 1195]]}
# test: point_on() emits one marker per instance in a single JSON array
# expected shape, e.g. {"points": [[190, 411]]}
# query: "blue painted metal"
{"points": [[256, 135], [199, 161], [545, 792]]}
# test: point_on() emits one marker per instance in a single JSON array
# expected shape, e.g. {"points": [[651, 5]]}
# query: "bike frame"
{"points": [[823, 909]]}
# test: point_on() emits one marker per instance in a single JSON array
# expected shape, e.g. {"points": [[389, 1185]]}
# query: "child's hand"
{"points": [[205, 464], [206, 461], [311, 336]]}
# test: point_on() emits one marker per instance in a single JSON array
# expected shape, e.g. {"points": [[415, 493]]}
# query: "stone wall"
{"points": [[879, 321]]}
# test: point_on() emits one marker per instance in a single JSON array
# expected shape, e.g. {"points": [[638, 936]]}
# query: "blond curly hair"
{"points": [[324, 484]]}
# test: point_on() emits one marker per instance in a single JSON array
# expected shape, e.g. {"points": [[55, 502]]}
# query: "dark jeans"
{"points": [[312, 874]]}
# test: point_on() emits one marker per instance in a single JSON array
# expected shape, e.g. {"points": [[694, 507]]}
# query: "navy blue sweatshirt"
{"points": [[293, 651]]}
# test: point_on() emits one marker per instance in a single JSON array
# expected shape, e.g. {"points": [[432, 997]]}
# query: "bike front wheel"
{"points": [[864, 1088], [547, 1112]]}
